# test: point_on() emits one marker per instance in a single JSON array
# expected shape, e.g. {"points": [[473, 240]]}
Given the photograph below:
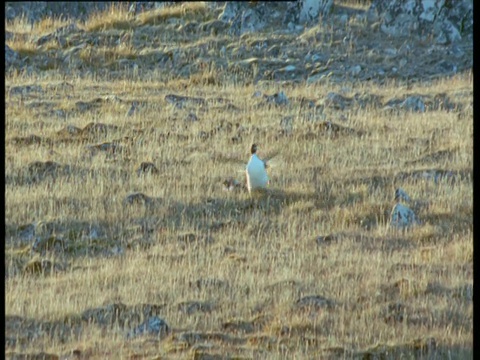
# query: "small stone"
{"points": [[314, 302], [355, 70], [413, 103], [231, 184], [133, 109], [152, 326], [147, 167], [191, 117], [137, 198], [278, 99], [403, 217]]}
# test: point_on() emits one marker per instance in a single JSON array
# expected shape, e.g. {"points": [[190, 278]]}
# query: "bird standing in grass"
{"points": [[256, 172]]}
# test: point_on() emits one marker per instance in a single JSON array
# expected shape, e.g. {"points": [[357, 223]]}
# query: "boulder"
{"points": [[310, 10], [246, 17], [448, 21]]}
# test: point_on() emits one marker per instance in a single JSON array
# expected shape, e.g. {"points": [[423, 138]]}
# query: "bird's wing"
{"points": [[271, 156], [274, 161]]}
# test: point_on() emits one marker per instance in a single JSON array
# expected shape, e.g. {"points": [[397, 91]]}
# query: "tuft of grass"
{"points": [[23, 47], [115, 17], [46, 25], [188, 11]]}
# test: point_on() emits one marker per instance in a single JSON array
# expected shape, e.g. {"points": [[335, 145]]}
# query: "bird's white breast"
{"points": [[256, 174]]}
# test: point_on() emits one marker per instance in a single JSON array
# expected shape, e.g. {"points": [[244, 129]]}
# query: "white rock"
{"points": [[401, 194], [403, 217]]}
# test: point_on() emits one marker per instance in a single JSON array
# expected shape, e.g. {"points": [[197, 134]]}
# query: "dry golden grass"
{"points": [[21, 25], [389, 289], [186, 11], [115, 17]]}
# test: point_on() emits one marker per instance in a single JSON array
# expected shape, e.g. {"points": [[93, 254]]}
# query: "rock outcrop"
{"points": [[448, 21]]}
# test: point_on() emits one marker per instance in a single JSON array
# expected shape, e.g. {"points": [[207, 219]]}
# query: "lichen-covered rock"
{"points": [[447, 21], [403, 217], [310, 10], [410, 103], [252, 21], [245, 17]]}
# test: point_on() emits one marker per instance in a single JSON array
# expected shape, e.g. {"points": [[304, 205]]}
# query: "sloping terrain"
{"points": [[129, 233]]}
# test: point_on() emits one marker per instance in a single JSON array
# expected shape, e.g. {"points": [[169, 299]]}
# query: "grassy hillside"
{"points": [[309, 269]]}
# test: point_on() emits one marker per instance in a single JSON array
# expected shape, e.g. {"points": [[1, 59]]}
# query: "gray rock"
{"points": [[447, 21], [60, 33], [245, 17], [355, 70], [252, 21], [152, 326], [214, 26], [400, 194], [25, 89], [277, 98], [310, 10], [410, 103], [11, 57], [191, 117], [230, 11], [287, 125], [191, 307], [137, 198], [446, 32], [336, 101], [26, 233], [314, 302], [8, 35], [413, 103], [133, 109], [231, 184], [147, 168], [10, 13], [403, 217]]}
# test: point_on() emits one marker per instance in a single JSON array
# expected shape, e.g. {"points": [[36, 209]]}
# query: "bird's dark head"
{"points": [[253, 149]]}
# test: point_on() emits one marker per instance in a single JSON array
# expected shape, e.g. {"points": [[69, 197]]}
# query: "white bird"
{"points": [[256, 171]]}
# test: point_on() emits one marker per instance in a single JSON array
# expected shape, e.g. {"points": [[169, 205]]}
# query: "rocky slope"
{"points": [[404, 39]]}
